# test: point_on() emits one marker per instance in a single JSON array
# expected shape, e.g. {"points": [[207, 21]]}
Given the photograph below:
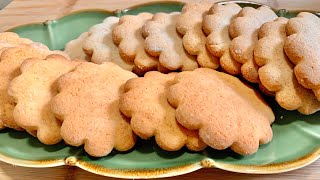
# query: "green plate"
{"points": [[296, 141]]}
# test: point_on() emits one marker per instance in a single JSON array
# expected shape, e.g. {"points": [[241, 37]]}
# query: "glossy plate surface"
{"points": [[296, 141]]}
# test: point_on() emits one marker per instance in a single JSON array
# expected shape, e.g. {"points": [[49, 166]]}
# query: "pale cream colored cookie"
{"points": [[302, 47], [127, 34], [163, 41], [189, 24], [216, 26], [74, 48], [244, 31], [100, 47]]}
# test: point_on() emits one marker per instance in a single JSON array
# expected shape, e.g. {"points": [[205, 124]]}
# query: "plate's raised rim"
{"points": [[165, 172], [119, 11]]}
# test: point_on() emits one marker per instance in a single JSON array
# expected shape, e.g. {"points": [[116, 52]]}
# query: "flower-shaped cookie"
{"points": [[302, 47], [32, 92], [227, 112], [276, 70], [216, 26], [244, 29], [88, 106], [163, 41], [100, 47], [145, 102], [189, 24], [10, 61], [127, 34]]}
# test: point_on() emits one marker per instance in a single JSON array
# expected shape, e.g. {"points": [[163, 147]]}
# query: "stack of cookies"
{"points": [[179, 98]]}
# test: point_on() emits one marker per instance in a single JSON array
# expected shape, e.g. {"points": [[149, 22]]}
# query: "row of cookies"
{"points": [[104, 107], [258, 45], [242, 41]]}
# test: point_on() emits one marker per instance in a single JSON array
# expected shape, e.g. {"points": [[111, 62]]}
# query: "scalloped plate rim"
{"points": [[165, 172]]}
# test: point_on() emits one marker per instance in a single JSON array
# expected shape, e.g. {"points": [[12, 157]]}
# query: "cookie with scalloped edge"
{"points": [[127, 35], [88, 106], [216, 26], [13, 39], [189, 25], [100, 47], [10, 61], [302, 48], [276, 70], [10, 39], [163, 41], [145, 102], [234, 116], [32, 92], [74, 48], [244, 31]]}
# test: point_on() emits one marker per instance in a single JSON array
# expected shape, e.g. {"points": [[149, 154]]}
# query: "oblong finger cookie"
{"points": [[11, 59], [227, 112], [302, 47], [33, 90], [276, 70], [100, 47], [163, 40], [216, 26], [189, 24], [88, 106], [127, 34], [244, 29], [145, 102], [74, 47]]}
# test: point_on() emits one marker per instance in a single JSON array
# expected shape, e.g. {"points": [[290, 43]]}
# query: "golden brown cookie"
{"points": [[88, 106], [10, 61], [33, 91], [276, 70], [145, 102], [227, 112], [216, 26], [189, 24], [13, 39], [163, 41], [127, 34], [100, 47], [244, 31], [302, 47]]}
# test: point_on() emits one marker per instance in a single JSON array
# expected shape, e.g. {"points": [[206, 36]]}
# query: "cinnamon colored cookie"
{"points": [[32, 92], [10, 61], [88, 107], [145, 102], [227, 112]]}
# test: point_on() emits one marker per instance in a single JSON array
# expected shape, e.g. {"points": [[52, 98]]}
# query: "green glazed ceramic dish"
{"points": [[296, 141]]}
